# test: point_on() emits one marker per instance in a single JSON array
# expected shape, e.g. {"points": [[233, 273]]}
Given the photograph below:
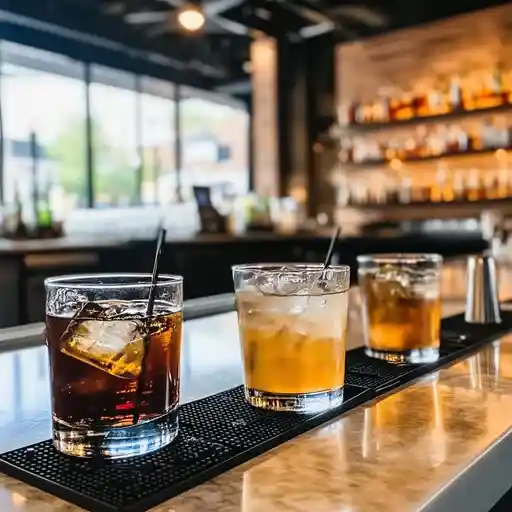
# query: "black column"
{"points": [[305, 111], [323, 152]]}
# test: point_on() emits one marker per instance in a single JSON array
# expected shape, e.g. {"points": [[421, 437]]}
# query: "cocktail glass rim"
{"points": [[402, 258], [117, 281], [284, 268]]}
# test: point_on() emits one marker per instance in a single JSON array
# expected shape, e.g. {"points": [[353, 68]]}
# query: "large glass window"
{"points": [[133, 136], [44, 127], [214, 139], [116, 159], [157, 112]]}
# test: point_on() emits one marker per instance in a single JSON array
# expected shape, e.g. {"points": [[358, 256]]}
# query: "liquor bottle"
{"points": [[18, 228], [436, 191], [421, 102], [458, 186], [382, 109], [353, 112], [44, 212], [452, 141], [455, 95], [474, 139], [405, 107], [503, 184], [497, 86], [435, 101], [501, 132], [490, 92], [405, 191], [487, 135], [473, 185]]}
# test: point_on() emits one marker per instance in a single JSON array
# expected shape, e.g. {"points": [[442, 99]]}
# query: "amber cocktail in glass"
{"points": [[401, 306], [292, 323]]}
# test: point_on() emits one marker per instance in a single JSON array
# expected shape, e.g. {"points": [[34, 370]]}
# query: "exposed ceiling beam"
{"points": [[322, 21], [316, 30], [214, 7], [239, 87], [144, 17], [363, 14]]}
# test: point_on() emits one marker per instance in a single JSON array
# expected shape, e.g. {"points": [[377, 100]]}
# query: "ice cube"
{"points": [[114, 346], [287, 281]]}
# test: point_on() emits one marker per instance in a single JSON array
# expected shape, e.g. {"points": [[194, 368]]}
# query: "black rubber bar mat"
{"points": [[220, 432]]}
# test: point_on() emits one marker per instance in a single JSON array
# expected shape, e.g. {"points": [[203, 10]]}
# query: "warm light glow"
{"points": [[395, 164], [501, 154], [191, 18]]}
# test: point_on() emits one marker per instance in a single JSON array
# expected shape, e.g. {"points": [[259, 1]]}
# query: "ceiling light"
{"points": [[191, 19]]}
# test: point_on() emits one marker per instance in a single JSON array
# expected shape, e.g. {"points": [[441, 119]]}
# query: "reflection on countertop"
{"points": [[392, 455]]}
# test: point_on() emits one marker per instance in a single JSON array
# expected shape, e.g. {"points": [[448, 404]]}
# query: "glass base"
{"points": [[116, 443], [414, 356], [303, 403]]}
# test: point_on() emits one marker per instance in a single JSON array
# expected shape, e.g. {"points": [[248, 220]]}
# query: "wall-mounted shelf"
{"points": [[373, 127], [433, 204], [379, 163]]}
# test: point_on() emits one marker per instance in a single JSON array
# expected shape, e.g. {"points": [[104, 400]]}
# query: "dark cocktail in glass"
{"points": [[115, 371]]}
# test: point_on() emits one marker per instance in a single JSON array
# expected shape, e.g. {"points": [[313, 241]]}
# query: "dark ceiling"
{"points": [[217, 55]]}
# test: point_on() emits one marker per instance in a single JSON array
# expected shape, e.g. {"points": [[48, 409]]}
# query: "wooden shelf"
{"points": [[373, 127], [431, 204], [379, 163]]}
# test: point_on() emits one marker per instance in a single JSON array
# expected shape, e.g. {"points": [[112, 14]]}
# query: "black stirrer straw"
{"points": [[330, 251], [149, 314]]}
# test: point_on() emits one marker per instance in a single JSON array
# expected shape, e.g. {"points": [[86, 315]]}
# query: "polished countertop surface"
{"points": [[399, 453]]}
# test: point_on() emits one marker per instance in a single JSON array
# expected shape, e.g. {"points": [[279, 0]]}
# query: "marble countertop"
{"points": [[399, 453]]}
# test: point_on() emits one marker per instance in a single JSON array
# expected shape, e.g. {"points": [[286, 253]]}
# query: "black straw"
{"points": [[330, 251], [149, 314], [156, 271]]}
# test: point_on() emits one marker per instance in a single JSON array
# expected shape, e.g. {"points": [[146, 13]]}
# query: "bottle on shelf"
{"points": [[490, 93], [473, 185], [15, 225], [405, 107], [353, 113], [405, 191], [382, 109], [421, 103], [503, 184], [436, 100], [474, 138], [44, 213], [458, 185], [455, 98]]}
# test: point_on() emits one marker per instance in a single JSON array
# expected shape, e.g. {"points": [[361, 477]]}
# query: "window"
{"points": [[44, 128], [116, 160], [133, 136], [214, 141], [159, 177]]}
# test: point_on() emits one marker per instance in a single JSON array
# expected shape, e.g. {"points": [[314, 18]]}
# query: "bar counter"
{"points": [[123, 240], [443, 443]]}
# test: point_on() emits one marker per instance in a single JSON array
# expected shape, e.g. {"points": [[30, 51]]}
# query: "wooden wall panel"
{"points": [[463, 45], [265, 116]]}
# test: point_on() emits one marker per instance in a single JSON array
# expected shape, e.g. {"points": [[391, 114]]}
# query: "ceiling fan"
{"points": [[204, 17]]}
